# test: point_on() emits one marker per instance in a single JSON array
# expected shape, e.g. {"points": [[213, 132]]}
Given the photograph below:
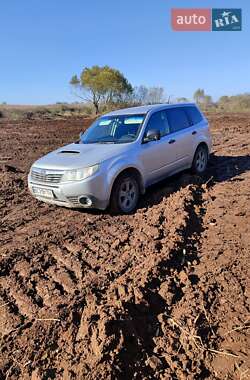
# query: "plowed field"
{"points": [[161, 294]]}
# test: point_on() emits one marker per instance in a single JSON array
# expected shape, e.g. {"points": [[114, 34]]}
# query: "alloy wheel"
{"points": [[128, 195], [201, 160]]}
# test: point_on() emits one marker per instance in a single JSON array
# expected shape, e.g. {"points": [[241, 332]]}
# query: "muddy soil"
{"points": [[161, 294]]}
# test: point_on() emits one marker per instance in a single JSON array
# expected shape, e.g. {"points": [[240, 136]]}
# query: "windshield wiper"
{"points": [[101, 142], [105, 142]]}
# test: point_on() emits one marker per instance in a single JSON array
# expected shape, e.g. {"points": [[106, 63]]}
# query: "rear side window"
{"points": [[159, 121], [194, 115], [177, 119]]}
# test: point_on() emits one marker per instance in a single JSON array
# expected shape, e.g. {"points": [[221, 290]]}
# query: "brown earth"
{"points": [[161, 294]]}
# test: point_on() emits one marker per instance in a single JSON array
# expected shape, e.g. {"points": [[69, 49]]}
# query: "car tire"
{"points": [[125, 194], [200, 160]]}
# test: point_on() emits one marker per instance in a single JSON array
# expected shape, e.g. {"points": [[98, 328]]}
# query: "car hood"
{"points": [[76, 156]]}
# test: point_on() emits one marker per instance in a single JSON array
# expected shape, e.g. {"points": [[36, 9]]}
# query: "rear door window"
{"points": [[159, 121], [177, 119], [194, 115]]}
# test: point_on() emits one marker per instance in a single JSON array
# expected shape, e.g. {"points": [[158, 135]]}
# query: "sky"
{"points": [[44, 42]]}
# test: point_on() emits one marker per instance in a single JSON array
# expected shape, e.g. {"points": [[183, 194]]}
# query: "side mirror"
{"points": [[152, 135]]}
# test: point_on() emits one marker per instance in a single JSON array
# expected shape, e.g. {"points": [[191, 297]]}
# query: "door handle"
{"points": [[171, 141], [194, 132]]}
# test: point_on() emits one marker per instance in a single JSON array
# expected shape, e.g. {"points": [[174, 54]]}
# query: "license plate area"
{"points": [[44, 193]]}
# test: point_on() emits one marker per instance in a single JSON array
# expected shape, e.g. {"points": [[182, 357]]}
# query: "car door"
{"points": [[158, 158], [198, 127], [181, 135]]}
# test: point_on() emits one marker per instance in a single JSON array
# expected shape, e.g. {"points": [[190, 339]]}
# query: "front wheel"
{"points": [[200, 160], [125, 194]]}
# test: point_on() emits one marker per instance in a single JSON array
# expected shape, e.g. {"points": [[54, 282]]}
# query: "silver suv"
{"points": [[120, 155]]}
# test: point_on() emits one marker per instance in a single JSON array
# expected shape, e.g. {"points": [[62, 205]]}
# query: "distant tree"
{"points": [[224, 99], [156, 95], [237, 103], [140, 94], [199, 95], [101, 85], [208, 100], [182, 100], [202, 98], [149, 95]]}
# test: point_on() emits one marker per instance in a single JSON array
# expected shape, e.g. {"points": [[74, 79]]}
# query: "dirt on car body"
{"points": [[161, 294]]}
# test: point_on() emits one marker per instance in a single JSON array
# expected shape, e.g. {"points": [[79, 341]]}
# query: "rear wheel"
{"points": [[125, 194], [200, 161]]}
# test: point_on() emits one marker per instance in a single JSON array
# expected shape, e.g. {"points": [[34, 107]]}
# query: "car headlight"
{"points": [[79, 174]]}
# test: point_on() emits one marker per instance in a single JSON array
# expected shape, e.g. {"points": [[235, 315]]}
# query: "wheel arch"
{"points": [[202, 143], [135, 172]]}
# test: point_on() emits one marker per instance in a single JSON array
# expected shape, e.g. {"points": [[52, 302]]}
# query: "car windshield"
{"points": [[118, 129]]}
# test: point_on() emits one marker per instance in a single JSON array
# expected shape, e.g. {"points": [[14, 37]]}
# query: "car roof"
{"points": [[142, 110]]}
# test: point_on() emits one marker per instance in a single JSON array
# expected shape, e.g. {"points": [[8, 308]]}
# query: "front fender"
{"points": [[118, 166]]}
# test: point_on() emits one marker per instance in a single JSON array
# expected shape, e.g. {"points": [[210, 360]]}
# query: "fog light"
{"points": [[85, 201]]}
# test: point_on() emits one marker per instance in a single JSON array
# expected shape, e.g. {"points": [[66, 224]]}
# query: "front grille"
{"points": [[46, 177], [73, 200]]}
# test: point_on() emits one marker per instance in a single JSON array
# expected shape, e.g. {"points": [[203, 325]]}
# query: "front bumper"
{"points": [[93, 189]]}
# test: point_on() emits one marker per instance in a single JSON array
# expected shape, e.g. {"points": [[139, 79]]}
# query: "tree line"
{"points": [[108, 88]]}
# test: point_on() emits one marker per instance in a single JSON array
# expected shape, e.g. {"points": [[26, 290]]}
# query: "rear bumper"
{"points": [[69, 194]]}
